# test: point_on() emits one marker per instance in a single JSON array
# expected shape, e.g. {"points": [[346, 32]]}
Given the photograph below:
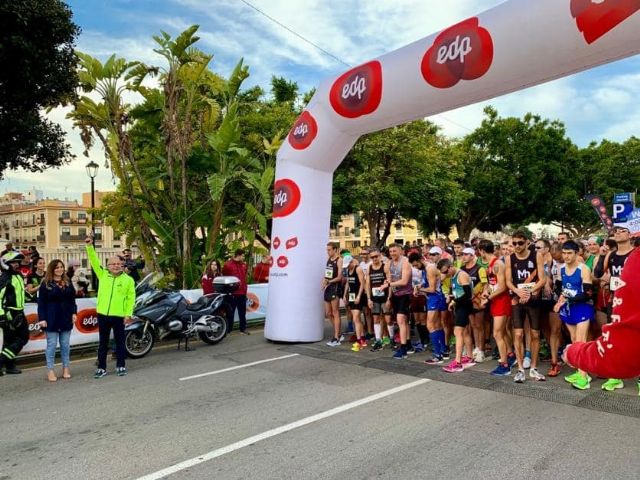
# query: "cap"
{"points": [[436, 250], [346, 260], [469, 251]]}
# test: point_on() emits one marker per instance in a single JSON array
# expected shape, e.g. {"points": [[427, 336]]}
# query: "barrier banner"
{"points": [[85, 328]]}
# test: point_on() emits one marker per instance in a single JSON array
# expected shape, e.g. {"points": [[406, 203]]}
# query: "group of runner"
{"points": [[517, 292]]}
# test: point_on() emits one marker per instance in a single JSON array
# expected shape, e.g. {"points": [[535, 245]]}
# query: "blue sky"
{"points": [[601, 103]]}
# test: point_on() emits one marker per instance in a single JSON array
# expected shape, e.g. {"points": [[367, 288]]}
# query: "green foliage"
{"points": [[38, 72]]}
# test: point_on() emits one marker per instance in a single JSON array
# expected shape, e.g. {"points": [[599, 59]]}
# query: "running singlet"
{"points": [[524, 272], [492, 278], [331, 269], [425, 283], [396, 275], [354, 284], [572, 284], [478, 276], [377, 278], [616, 264]]}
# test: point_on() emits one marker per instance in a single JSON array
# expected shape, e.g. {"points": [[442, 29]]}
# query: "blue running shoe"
{"points": [[502, 370], [400, 354]]}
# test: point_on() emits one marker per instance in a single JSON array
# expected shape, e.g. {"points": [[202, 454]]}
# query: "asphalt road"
{"points": [[316, 414]]}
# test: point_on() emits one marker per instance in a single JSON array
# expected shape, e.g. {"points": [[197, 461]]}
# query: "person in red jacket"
{"points": [[237, 268], [212, 271], [261, 270], [615, 353]]}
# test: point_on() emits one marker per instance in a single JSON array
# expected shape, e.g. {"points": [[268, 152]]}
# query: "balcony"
{"points": [[73, 221], [40, 221], [40, 238], [78, 238]]}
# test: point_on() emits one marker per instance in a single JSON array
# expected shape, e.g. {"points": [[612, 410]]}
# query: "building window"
{"points": [[82, 232], [65, 214], [66, 231], [82, 216]]}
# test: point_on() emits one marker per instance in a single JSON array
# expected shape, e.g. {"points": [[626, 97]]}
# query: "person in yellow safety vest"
{"points": [[14, 325], [116, 298]]}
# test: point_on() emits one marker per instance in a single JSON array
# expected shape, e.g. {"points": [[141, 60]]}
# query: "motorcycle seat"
{"points": [[199, 304]]}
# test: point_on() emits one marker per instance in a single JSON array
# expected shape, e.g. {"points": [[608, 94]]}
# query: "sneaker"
{"points": [[554, 371], [353, 338], [377, 346], [511, 360], [101, 372], [475, 352], [418, 347], [121, 371], [363, 343], [356, 347], [527, 361], [434, 361], [613, 384], [478, 357], [400, 354], [386, 341], [467, 362], [502, 370], [341, 339], [496, 354], [369, 336], [573, 377], [536, 375], [446, 355], [411, 350], [244, 332], [520, 377], [334, 342], [583, 382], [453, 367]]}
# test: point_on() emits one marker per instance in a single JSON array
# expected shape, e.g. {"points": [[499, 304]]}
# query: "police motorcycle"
{"points": [[161, 314]]}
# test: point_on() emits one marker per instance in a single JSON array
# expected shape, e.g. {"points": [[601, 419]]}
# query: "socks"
{"points": [[391, 329], [441, 341], [423, 333], [377, 328]]}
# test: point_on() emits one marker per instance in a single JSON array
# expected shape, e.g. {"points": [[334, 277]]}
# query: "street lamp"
{"points": [[92, 171]]}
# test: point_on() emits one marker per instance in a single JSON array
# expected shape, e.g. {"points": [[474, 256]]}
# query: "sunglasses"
{"points": [[374, 256], [519, 243], [434, 254], [539, 248]]}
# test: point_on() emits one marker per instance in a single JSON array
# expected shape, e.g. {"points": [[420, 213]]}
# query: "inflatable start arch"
{"points": [[515, 45]]}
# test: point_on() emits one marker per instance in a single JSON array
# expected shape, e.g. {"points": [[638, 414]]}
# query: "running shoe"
{"points": [[400, 354], [334, 342], [446, 355], [434, 361], [478, 357], [613, 384], [418, 347], [453, 367], [536, 375], [502, 370], [101, 372], [377, 346], [369, 336], [467, 362], [511, 359], [121, 371], [520, 377], [386, 341], [554, 371], [411, 350], [573, 377], [363, 343], [582, 382], [341, 339], [527, 360], [475, 352], [355, 347], [496, 354]]}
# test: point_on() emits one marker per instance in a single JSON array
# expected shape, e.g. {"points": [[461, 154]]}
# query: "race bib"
{"points": [[352, 297], [377, 292], [615, 283], [493, 288], [328, 273], [527, 287]]}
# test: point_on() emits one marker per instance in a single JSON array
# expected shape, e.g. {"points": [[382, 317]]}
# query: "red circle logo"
{"points": [[303, 132], [87, 321], [253, 302], [282, 261], [594, 19], [461, 52], [357, 92], [35, 332], [286, 197]]}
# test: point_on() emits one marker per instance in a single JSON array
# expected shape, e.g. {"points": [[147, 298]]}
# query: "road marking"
{"points": [[277, 431], [215, 372]]}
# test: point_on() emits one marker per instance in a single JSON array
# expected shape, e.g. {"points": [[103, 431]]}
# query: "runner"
{"points": [[364, 265], [575, 304], [377, 289], [614, 263], [499, 302], [355, 296], [462, 293], [418, 300], [436, 303], [478, 277], [398, 272], [458, 246], [330, 285], [525, 280]]}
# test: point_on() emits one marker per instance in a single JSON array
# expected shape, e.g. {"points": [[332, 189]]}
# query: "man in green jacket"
{"points": [[116, 297], [12, 320]]}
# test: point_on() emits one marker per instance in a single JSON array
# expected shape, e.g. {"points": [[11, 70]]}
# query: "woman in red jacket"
{"points": [[212, 271]]}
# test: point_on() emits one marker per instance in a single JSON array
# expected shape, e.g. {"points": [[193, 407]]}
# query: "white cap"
{"points": [[436, 250], [469, 251], [346, 260]]}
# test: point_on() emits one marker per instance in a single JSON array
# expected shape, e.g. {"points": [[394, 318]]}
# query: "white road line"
{"points": [[277, 431], [238, 366]]}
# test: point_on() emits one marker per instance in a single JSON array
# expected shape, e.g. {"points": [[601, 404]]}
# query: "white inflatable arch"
{"points": [[515, 45]]}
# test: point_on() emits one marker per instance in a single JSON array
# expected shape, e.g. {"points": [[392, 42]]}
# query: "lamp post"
{"points": [[92, 171]]}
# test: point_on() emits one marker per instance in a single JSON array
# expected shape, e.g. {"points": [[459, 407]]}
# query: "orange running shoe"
{"points": [[554, 371]]}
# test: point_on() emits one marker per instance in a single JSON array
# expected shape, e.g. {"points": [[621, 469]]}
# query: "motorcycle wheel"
{"points": [[215, 336], [138, 344]]}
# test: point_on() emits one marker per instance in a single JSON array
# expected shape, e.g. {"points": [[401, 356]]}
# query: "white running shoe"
{"points": [[520, 377], [333, 343], [536, 375], [526, 363]]}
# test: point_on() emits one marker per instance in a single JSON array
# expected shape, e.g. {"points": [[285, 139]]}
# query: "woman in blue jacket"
{"points": [[56, 313]]}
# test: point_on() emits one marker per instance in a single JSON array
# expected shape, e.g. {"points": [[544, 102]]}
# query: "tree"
{"points": [[403, 172], [515, 170], [38, 72]]}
